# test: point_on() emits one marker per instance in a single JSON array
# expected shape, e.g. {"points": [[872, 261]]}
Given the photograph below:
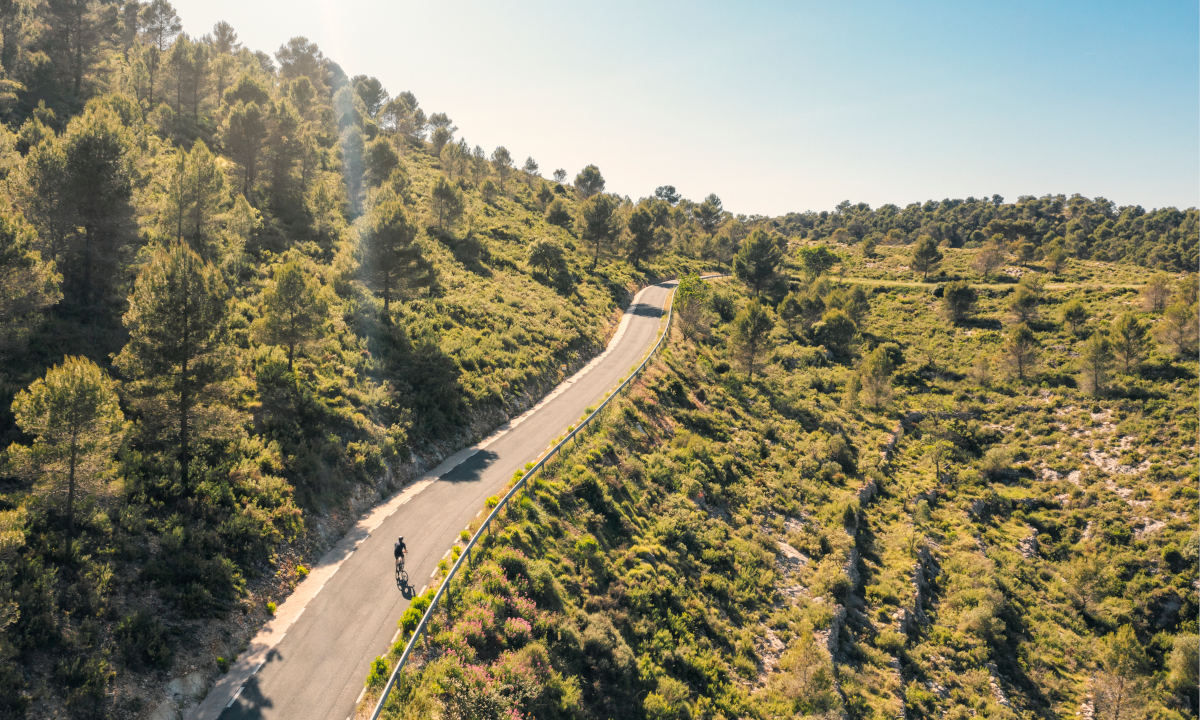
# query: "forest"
{"points": [[244, 297]]}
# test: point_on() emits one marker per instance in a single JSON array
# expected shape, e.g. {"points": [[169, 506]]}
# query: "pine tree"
{"points": [[391, 260], [1095, 359], [1130, 340], [757, 261], [446, 203], [178, 353], [751, 328], [1021, 349], [76, 422], [599, 224], [28, 284], [293, 307], [926, 256]]}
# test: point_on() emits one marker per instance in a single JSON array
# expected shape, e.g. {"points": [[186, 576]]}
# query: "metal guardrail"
{"points": [[517, 487]]}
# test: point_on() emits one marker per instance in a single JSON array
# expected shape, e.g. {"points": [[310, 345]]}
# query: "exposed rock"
{"points": [[166, 710], [188, 688], [1029, 546]]}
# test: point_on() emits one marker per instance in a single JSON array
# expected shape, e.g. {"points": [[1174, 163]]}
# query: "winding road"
{"points": [[311, 659]]}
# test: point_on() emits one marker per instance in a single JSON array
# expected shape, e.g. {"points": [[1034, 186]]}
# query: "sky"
{"points": [[780, 106]]}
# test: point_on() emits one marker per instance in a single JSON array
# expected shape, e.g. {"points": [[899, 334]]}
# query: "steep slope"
{"points": [[298, 300], [905, 529]]}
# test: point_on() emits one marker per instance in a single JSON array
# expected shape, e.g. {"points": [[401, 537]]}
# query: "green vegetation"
{"points": [[924, 522], [243, 296], [1052, 227]]}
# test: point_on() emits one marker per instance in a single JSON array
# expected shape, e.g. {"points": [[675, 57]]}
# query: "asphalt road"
{"points": [[310, 661]]}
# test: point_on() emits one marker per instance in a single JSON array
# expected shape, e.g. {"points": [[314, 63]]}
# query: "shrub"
{"points": [[996, 463], [143, 641], [379, 673]]}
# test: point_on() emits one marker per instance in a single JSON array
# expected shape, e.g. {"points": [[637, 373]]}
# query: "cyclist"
{"points": [[400, 549]]}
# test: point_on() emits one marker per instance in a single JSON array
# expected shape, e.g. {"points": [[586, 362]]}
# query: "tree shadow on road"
{"points": [[472, 468]]}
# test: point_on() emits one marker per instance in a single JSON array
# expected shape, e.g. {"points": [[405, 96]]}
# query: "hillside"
{"points": [[274, 294], [885, 521], [244, 297]]}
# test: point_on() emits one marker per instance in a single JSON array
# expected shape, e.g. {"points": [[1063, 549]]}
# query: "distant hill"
{"points": [[1084, 228]]}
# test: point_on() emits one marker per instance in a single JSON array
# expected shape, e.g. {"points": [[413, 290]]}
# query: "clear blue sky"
{"points": [[779, 106]]}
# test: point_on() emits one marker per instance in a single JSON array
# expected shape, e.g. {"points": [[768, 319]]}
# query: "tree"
{"points": [[1120, 682], [1026, 252], [293, 306], [558, 214], [598, 223], [391, 260], [688, 305], [547, 257], [244, 131], [488, 191], [371, 92], [1178, 328], [1021, 347], [1157, 292], [225, 43], [300, 57], [817, 260], [645, 233], [404, 116], [875, 376], [380, 161], [442, 133], [196, 200], [178, 353], [503, 162], [751, 327], [1096, 358], [72, 40], [1130, 340], [1074, 314], [926, 256], [76, 423], [958, 299], [990, 257], [544, 196], [530, 167], [667, 194], [940, 452], [446, 203], [1056, 259], [78, 190], [589, 181], [757, 261], [160, 24], [709, 213], [189, 62], [1023, 304], [560, 175], [28, 284], [1187, 290], [836, 331]]}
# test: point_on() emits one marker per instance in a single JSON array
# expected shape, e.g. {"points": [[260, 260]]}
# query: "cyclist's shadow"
{"points": [[402, 583]]}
